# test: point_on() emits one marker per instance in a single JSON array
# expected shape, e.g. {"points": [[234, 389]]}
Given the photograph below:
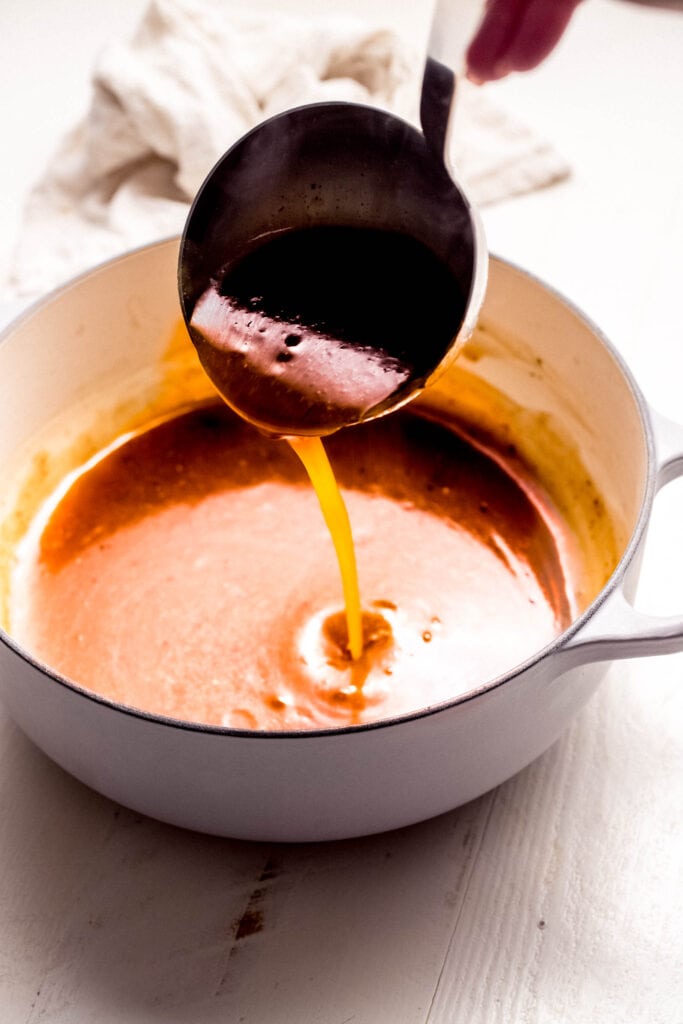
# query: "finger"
{"points": [[493, 37], [537, 34], [516, 35]]}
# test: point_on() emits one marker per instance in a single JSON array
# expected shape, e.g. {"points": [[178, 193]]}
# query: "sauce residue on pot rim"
{"points": [[187, 572]]}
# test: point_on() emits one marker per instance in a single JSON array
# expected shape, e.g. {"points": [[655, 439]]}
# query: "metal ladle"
{"points": [[354, 166]]}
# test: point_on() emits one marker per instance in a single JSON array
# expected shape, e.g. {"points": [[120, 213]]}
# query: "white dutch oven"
{"points": [[107, 334]]}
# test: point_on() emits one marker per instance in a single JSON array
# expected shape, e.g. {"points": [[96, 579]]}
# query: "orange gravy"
{"points": [[314, 459], [189, 573]]}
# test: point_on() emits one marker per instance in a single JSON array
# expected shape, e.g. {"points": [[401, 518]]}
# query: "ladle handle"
{"points": [[453, 25], [617, 629]]}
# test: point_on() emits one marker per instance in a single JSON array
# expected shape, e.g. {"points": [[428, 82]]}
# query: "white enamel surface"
{"points": [[81, 342], [577, 384], [297, 788]]}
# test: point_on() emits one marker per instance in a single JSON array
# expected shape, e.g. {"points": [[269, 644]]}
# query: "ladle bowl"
{"points": [[339, 164], [104, 345]]}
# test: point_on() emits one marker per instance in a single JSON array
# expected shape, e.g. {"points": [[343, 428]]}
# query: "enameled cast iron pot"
{"points": [[107, 333]]}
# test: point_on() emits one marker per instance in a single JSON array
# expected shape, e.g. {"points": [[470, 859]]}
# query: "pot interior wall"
{"points": [[106, 354], [537, 376]]}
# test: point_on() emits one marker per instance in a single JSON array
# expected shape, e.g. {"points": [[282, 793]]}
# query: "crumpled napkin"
{"points": [[193, 78]]}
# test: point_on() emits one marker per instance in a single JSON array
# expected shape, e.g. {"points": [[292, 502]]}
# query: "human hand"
{"points": [[516, 35]]}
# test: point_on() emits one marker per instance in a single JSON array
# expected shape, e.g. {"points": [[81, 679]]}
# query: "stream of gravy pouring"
{"points": [[288, 345]]}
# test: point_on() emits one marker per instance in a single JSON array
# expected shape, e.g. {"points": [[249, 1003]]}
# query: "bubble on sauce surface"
{"points": [[240, 718]]}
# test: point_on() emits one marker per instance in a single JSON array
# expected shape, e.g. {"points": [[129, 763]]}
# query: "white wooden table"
{"points": [[555, 898]]}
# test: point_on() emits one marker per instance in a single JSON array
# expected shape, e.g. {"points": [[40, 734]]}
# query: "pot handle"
{"points": [[617, 629]]}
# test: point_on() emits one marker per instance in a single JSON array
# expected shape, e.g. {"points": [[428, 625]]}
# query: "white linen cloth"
{"points": [[191, 80]]}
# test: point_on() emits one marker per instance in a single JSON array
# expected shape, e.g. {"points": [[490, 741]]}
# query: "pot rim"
{"points": [[549, 651]]}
